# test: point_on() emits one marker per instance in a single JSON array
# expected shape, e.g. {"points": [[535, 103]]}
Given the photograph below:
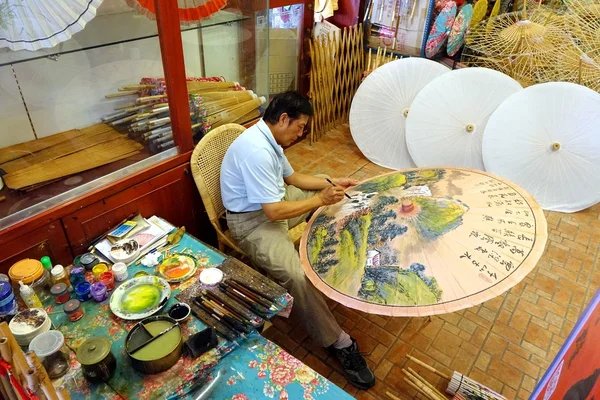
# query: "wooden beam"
{"points": [[171, 49]]}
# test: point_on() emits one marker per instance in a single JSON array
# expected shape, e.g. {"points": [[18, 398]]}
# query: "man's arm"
{"points": [[309, 182], [290, 209]]}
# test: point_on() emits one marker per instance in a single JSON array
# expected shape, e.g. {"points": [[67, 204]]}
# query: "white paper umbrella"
{"points": [[36, 24], [547, 140], [447, 118], [379, 109]]}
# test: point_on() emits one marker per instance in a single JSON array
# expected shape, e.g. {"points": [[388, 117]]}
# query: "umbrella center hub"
{"points": [[405, 113], [470, 128], [407, 205], [555, 146]]}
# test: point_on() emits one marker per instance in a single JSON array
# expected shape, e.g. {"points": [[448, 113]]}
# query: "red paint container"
{"points": [[60, 292], [108, 279], [73, 310]]}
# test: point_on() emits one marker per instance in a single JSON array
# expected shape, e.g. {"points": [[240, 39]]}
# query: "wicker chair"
{"points": [[206, 169]]}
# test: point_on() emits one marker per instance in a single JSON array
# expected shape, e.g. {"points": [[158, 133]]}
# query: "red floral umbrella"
{"points": [[189, 10]]}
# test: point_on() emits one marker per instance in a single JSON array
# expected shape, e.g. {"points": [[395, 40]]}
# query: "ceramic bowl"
{"points": [[180, 312], [28, 324]]}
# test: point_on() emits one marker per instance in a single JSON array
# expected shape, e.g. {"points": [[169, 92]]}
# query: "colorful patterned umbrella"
{"points": [[440, 30], [421, 242], [461, 24], [37, 24], [189, 10]]}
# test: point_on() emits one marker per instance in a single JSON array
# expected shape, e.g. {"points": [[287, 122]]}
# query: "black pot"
{"points": [[139, 335]]}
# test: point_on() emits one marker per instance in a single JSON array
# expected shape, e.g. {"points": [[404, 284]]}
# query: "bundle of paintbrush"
{"points": [[213, 102], [236, 310]]}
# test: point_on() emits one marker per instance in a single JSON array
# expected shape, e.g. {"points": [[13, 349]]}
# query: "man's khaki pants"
{"points": [[269, 246]]}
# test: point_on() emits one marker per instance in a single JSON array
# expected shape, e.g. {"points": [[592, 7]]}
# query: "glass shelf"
{"points": [[104, 30]]}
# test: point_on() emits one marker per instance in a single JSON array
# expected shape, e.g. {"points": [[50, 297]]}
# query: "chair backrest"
{"points": [[206, 167]]}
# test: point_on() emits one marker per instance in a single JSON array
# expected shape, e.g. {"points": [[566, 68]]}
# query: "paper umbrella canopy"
{"points": [[381, 105], [36, 24], [545, 139], [421, 242], [189, 10]]}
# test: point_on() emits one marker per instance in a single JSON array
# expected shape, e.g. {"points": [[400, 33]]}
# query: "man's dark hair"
{"points": [[293, 103]]}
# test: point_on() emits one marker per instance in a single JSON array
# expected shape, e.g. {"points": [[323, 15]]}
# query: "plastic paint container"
{"points": [[99, 268], [83, 291], [120, 271], [60, 292], [98, 291], [108, 279], [73, 310]]}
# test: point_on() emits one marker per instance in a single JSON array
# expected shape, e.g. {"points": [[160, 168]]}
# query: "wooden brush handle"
{"points": [[392, 396], [18, 361], [428, 384], [414, 386], [429, 367], [31, 376], [422, 386], [63, 393]]}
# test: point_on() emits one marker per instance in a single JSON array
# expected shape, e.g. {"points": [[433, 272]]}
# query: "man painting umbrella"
{"points": [[261, 209]]}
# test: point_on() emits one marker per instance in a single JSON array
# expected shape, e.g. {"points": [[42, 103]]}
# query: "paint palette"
{"points": [[140, 297], [177, 267]]}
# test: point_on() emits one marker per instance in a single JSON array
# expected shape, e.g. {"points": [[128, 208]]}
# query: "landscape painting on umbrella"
{"points": [[424, 242]]}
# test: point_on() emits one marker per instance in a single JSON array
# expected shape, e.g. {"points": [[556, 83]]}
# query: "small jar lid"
{"points": [[77, 270], [71, 306], [59, 289], [46, 263], [106, 275], [57, 270], [88, 260], [93, 350], [47, 343]]}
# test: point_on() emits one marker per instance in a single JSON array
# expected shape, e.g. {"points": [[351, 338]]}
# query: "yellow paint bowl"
{"points": [[99, 268]]}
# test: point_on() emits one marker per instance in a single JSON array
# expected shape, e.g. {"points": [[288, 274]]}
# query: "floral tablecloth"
{"points": [[256, 369]]}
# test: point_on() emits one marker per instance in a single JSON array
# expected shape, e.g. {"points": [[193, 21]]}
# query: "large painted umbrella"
{"points": [[422, 242], [189, 10]]}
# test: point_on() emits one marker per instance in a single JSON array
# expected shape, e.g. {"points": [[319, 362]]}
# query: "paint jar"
{"points": [[32, 273], [4, 278], [88, 260], [98, 291], [98, 269], [120, 271], [8, 301], [82, 290], [108, 279], [60, 293], [98, 364], [77, 276], [73, 310], [59, 275], [50, 349]]}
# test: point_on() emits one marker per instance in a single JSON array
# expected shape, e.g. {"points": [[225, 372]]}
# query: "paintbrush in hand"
{"points": [[333, 184]]}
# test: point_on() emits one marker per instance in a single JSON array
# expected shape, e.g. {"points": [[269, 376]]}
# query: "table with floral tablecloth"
{"points": [[255, 369]]}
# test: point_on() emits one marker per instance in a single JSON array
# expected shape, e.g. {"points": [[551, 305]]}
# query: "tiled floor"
{"points": [[506, 343]]}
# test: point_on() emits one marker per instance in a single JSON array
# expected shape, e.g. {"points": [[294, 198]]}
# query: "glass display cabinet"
{"points": [[103, 123], [107, 103]]}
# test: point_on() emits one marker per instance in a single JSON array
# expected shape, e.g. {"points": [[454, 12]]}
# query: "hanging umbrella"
{"points": [[380, 106], [189, 10], [545, 138], [440, 30], [421, 242], [447, 118], [461, 24], [37, 24]]}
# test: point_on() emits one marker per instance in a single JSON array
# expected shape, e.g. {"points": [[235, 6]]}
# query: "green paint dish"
{"points": [[140, 298], [161, 346]]}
